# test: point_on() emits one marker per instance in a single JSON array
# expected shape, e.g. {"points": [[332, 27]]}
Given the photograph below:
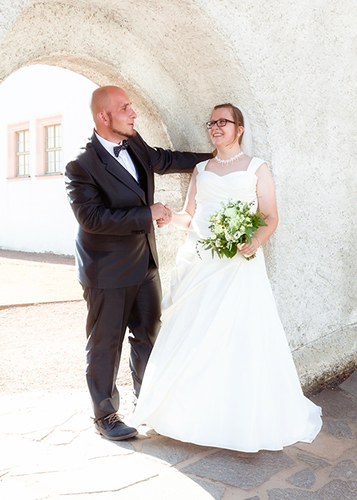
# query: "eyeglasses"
{"points": [[222, 122]]}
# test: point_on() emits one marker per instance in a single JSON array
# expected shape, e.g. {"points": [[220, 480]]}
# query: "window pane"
{"points": [[20, 165], [20, 142], [50, 162], [27, 164], [58, 136], [58, 161], [50, 143], [27, 140]]}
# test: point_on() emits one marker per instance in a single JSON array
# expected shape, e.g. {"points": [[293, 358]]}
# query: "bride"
{"points": [[221, 372]]}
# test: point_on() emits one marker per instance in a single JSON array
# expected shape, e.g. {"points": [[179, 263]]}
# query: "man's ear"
{"points": [[103, 118]]}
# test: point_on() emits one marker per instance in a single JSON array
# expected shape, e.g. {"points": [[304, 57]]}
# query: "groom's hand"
{"points": [[161, 213], [167, 219], [158, 211]]}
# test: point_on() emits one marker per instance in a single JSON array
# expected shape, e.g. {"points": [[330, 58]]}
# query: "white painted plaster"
{"points": [[34, 212], [293, 67]]}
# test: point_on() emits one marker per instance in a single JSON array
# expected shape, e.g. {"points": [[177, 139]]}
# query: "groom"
{"points": [[110, 187]]}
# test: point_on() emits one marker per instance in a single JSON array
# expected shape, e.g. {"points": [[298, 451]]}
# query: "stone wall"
{"points": [[292, 66]]}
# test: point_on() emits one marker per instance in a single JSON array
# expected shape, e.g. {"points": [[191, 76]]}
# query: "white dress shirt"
{"points": [[123, 157]]}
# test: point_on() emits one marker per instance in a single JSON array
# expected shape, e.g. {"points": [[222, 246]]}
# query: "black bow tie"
{"points": [[119, 148]]}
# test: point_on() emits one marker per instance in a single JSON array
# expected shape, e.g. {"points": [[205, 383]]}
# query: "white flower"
{"points": [[230, 212], [233, 225], [218, 229], [229, 237]]}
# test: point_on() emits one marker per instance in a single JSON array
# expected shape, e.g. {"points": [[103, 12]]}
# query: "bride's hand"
{"points": [[167, 219], [250, 249]]}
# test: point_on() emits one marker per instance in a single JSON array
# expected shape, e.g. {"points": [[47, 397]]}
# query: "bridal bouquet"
{"points": [[233, 225]]}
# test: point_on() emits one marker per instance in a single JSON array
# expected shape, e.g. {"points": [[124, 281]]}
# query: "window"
{"points": [[48, 158], [53, 149], [49, 143], [18, 151], [23, 153]]}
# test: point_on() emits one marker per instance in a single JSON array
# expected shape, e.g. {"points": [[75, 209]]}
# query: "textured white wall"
{"points": [[293, 67], [300, 61], [34, 212]]}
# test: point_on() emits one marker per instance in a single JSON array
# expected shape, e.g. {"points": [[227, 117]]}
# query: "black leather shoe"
{"points": [[113, 428]]}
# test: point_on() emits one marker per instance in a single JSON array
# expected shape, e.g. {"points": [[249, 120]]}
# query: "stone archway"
{"points": [[177, 59], [168, 57]]}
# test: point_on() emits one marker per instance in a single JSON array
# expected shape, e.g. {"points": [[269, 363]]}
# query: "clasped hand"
{"points": [[249, 250], [161, 213]]}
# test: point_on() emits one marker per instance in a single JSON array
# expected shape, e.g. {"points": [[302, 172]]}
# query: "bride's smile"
{"points": [[224, 133]]}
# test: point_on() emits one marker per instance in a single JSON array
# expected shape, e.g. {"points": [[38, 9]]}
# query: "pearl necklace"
{"points": [[230, 160]]}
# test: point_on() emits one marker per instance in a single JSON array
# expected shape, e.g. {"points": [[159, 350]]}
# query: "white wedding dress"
{"points": [[221, 372]]}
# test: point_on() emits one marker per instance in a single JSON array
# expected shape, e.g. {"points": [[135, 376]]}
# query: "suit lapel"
{"points": [[116, 169], [140, 168]]}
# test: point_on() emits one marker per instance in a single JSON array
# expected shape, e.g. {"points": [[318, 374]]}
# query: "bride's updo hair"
{"points": [[237, 117]]}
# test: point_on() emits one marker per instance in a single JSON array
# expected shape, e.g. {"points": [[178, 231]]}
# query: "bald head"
{"points": [[112, 113], [103, 99]]}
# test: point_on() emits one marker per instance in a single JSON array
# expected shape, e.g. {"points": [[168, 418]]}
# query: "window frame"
{"points": [[12, 164], [42, 124], [55, 149]]}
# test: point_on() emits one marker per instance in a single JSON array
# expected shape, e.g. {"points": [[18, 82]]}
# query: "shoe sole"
{"points": [[117, 438]]}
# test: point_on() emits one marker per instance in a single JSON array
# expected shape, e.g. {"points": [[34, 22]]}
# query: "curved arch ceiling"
{"points": [[168, 56]]}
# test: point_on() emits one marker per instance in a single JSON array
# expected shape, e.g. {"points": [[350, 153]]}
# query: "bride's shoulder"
{"points": [[255, 163], [201, 166]]}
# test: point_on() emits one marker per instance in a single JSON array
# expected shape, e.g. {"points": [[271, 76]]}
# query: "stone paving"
{"points": [[53, 285], [49, 450]]}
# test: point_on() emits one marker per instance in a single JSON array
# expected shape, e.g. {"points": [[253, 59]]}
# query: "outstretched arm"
{"points": [[162, 161], [182, 219]]}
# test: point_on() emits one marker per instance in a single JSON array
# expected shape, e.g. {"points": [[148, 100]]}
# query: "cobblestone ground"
{"points": [[48, 446], [43, 340]]}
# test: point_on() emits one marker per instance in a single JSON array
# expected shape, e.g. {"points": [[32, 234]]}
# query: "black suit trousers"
{"points": [[110, 312]]}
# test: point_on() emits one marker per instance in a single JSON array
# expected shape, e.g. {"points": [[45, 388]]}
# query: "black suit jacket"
{"points": [[116, 231]]}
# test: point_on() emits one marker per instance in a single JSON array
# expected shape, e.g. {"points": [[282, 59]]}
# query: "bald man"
{"points": [[110, 187]]}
